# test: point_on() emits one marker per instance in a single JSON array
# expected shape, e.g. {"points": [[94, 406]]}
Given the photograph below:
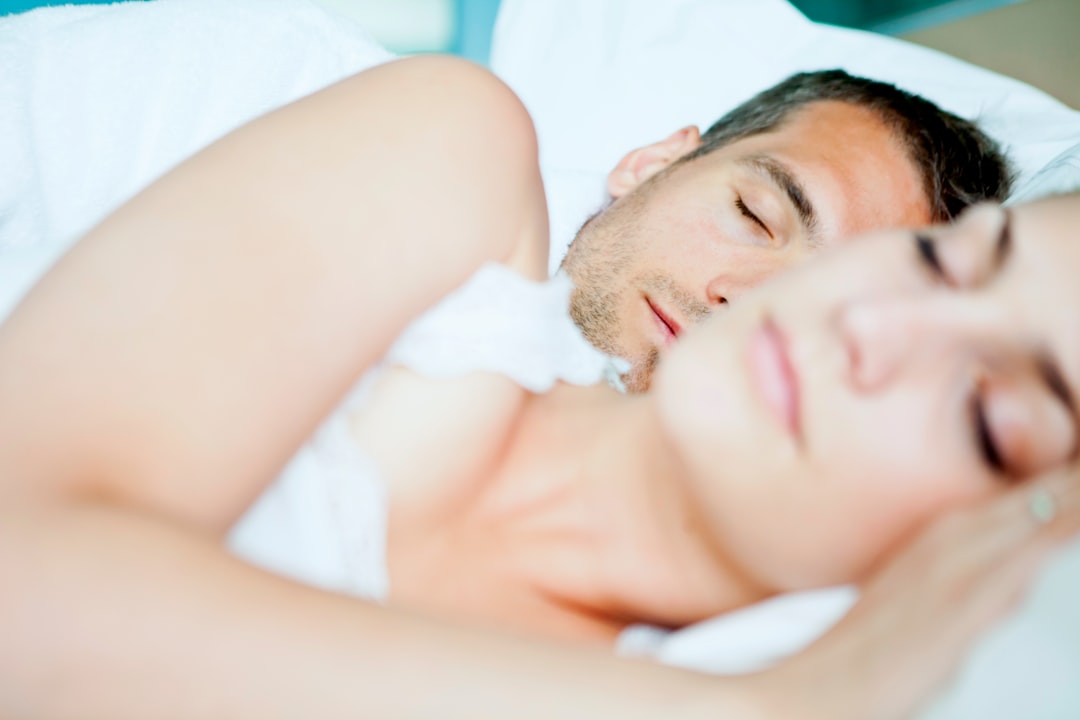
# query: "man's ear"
{"points": [[639, 165]]}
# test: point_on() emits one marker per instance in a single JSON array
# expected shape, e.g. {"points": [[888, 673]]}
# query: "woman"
{"points": [[164, 373]]}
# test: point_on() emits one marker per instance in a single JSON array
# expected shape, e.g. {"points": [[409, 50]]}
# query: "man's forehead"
{"points": [[826, 130]]}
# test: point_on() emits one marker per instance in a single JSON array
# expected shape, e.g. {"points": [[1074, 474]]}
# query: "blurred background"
{"points": [[1032, 40]]}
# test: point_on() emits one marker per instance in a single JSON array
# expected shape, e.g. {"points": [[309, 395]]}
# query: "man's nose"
{"points": [[883, 337], [743, 270], [717, 292]]}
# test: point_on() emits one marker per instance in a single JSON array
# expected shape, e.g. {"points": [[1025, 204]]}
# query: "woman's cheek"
{"points": [[878, 489]]}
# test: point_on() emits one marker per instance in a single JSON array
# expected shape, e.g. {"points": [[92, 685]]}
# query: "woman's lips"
{"points": [[668, 327], [775, 376]]}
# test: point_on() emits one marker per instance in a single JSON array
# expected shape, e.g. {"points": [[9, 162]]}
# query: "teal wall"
{"points": [[13, 6], [476, 21], [893, 16], [477, 17]]}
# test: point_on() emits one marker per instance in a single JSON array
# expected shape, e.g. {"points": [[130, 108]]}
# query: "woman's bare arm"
{"points": [[160, 375], [109, 613], [118, 616], [184, 349]]}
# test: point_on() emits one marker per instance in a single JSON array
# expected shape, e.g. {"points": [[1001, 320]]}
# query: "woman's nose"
{"points": [[884, 337]]}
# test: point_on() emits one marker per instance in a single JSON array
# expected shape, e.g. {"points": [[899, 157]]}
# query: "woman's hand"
{"points": [[919, 614]]}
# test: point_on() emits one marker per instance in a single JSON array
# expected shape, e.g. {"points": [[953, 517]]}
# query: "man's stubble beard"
{"points": [[597, 265], [598, 261]]}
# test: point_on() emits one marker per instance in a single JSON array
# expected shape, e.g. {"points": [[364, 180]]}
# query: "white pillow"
{"points": [[603, 77], [1061, 175]]}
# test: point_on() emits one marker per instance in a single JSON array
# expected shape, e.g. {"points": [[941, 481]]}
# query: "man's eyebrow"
{"points": [[781, 176]]}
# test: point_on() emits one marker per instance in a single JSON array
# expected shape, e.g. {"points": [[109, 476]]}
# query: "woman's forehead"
{"points": [[1046, 237], [1059, 211], [1047, 234]]}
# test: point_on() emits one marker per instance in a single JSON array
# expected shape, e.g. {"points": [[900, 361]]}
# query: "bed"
{"points": [[95, 102]]}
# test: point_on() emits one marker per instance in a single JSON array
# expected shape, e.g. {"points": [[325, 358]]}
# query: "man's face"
{"points": [[681, 239]]}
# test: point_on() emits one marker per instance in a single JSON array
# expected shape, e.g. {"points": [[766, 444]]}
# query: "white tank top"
{"points": [[323, 520]]}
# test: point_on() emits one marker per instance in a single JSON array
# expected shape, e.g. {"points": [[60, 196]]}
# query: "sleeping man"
{"points": [[696, 220]]}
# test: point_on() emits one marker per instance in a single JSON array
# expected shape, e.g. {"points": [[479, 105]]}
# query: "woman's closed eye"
{"points": [[984, 435], [1020, 427]]}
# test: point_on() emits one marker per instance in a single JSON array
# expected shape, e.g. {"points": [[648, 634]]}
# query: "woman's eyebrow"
{"points": [[1050, 372], [1005, 240]]}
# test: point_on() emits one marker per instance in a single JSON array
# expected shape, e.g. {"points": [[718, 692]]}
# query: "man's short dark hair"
{"points": [[959, 163]]}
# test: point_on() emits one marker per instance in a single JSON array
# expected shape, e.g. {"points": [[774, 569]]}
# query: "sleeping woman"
{"points": [[325, 346]]}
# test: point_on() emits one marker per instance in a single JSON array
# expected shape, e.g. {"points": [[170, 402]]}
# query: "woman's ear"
{"points": [[639, 165]]}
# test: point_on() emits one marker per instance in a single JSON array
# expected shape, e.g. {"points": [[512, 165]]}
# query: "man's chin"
{"points": [[639, 379]]}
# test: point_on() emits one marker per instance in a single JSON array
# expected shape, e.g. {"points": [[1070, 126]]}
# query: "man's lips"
{"points": [[669, 327], [774, 375]]}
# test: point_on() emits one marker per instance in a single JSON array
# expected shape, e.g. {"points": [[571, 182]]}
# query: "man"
{"points": [[696, 220]]}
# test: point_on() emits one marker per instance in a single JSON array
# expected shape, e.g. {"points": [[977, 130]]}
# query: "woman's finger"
{"points": [[921, 613], [1043, 511]]}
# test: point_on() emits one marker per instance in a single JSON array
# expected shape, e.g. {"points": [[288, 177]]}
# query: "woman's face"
{"points": [[827, 415]]}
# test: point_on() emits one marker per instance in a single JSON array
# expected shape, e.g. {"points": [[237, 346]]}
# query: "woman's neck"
{"points": [[586, 523]]}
